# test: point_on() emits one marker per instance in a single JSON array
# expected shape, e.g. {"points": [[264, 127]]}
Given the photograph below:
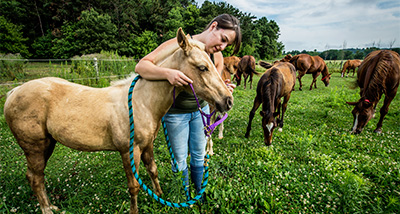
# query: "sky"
{"points": [[328, 24]]}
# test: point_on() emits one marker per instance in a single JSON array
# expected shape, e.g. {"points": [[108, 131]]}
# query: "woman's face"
{"points": [[218, 39]]}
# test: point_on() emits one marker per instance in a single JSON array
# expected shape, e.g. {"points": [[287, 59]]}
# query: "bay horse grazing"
{"points": [[247, 68], [45, 111], [277, 82], [350, 64], [315, 65], [378, 74]]}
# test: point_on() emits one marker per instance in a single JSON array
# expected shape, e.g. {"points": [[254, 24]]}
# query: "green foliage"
{"points": [[144, 44], [43, 46], [12, 67], [11, 38], [91, 34]]}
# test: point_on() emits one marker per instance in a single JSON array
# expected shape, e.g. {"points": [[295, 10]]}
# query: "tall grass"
{"points": [[314, 166]]}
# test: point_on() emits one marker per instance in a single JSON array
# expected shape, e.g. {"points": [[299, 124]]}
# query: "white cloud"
{"points": [[327, 24]]}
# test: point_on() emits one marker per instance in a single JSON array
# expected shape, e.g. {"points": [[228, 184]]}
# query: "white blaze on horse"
{"points": [[45, 111]]}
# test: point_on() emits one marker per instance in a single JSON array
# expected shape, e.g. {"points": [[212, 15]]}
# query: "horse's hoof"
{"points": [[300, 89], [378, 130]]}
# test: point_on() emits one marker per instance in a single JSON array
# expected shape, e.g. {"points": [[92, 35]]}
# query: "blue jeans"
{"points": [[186, 134]]}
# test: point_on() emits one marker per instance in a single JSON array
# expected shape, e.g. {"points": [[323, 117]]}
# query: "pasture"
{"points": [[314, 166]]}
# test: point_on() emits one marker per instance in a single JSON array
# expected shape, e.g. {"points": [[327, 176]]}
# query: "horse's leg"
{"points": [[278, 110], [151, 167], [221, 131], [37, 154], [284, 107], [300, 75], [384, 110], [314, 82], [251, 80], [133, 185], [245, 79], [257, 103]]}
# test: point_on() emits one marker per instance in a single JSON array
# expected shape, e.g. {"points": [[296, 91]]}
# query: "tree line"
{"points": [[61, 29]]}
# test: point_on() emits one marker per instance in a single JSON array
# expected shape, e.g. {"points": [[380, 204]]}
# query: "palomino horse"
{"points": [[306, 64], [230, 68], [378, 74], [247, 68], [277, 82], [45, 111], [350, 64]]}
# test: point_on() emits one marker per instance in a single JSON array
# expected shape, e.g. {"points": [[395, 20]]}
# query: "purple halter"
{"points": [[208, 129]]}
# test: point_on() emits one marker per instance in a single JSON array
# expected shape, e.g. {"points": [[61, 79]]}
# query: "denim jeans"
{"points": [[186, 134]]}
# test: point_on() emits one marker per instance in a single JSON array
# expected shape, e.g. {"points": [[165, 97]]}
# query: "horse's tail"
{"points": [[265, 65]]}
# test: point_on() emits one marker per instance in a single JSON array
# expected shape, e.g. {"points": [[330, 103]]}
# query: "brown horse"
{"points": [[231, 64], [350, 64], [45, 111], [378, 74], [315, 65], [230, 68], [247, 68], [277, 82]]}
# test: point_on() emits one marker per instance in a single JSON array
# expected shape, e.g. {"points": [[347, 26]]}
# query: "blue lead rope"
{"points": [[145, 188]]}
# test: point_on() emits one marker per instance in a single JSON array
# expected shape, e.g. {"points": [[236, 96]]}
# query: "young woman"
{"points": [[183, 121]]}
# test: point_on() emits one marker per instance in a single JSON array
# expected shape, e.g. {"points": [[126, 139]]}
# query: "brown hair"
{"points": [[229, 22]]}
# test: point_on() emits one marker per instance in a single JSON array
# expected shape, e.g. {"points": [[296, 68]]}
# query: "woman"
{"points": [[183, 121]]}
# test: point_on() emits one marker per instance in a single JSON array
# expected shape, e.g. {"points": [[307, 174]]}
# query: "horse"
{"points": [[230, 68], [247, 68], [231, 64], [350, 64], [378, 74], [277, 82], [315, 65], [44, 111]]}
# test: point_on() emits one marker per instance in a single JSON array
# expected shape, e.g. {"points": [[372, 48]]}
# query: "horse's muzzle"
{"points": [[225, 105]]}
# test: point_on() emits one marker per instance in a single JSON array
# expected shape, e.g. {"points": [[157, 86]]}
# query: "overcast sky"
{"points": [[328, 24]]}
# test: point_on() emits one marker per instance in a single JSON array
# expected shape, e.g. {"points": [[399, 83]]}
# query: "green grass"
{"points": [[314, 166]]}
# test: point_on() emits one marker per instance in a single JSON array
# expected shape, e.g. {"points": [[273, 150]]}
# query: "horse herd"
{"points": [[44, 111]]}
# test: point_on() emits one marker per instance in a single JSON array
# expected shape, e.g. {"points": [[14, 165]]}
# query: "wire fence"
{"points": [[16, 71]]}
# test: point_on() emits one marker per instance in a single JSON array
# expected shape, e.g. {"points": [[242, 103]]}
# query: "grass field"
{"points": [[314, 166]]}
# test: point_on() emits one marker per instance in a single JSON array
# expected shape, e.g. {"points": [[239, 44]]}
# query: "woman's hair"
{"points": [[229, 22]]}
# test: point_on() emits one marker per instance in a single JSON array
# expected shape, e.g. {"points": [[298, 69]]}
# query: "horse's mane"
{"points": [[268, 87], [377, 69], [125, 81]]}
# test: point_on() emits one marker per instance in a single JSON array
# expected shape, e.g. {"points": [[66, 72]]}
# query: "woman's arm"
{"points": [[148, 70]]}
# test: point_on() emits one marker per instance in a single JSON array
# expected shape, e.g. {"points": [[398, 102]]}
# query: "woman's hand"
{"points": [[230, 85], [177, 78]]}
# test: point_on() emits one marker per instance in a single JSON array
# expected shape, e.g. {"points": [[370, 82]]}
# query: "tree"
{"points": [[11, 38]]}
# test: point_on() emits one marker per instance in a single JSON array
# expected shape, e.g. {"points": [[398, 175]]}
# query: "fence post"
{"points": [[97, 70]]}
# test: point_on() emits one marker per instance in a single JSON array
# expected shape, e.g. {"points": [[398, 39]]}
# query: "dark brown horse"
{"points": [[277, 82], [378, 74], [247, 68], [315, 65], [350, 64]]}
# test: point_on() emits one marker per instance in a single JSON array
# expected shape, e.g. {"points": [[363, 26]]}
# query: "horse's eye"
{"points": [[203, 68]]}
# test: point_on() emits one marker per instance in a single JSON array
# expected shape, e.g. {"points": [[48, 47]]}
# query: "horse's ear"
{"points": [[352, 103], [183, 41]]}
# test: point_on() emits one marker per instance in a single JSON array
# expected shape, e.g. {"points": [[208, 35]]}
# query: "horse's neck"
{"points": [[270, 94]]}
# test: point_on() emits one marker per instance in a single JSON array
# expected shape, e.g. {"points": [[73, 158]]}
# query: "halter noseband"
{"points": [[208, 127]]}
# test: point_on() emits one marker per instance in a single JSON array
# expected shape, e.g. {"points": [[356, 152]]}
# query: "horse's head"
{"points": [[326, 79], [362, 113], [195, 63], [269, 124]]}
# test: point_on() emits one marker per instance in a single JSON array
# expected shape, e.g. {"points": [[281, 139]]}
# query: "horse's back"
{"points": [[75, 115]]}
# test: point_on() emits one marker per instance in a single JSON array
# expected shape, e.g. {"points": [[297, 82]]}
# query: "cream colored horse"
{"points": [[45, 111]]}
